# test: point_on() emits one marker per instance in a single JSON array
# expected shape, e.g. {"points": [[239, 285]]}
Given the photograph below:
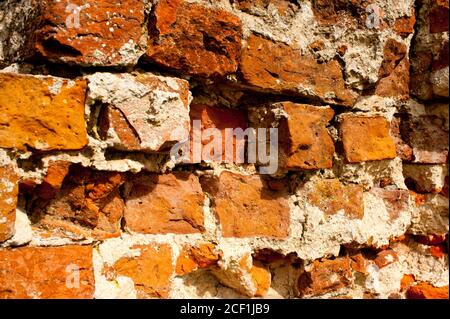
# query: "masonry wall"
{"points": [[95, 94]]}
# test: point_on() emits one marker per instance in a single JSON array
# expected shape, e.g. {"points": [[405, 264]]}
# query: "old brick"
{"points": [[424, 290], [427, 137], [310, 143], [247, 207], [385, 258], [359, 263], [141, 112], [350, 13], [151, 271], [404, 151], [161, 204], [438, 18], [366, 138], [193, 39], [221, 119], [394, 71], [407, 281], [278, 68], [261, 278], [304, 140], [405, 25], [196, 257], [53, 180], [325, 276], [8, 200], [331, 196], [431, 240], [395, 200], [47, 273], [285, 8], [43, 113], [88, 205], [420, 81], [106, 34]]}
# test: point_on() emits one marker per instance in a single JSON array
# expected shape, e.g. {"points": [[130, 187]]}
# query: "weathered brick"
{"points": [[285, 8], [194, 257], [424, 290], [106, 33], [394, 71], [366, 138], [53, 180], [304, 141], [351, 13], [278, 68], [405, 25], [151, 271], [161, 204], [438, 18], [247, 207], [8, 200], [88, 205], [427, 137], [213, 117], [141, 112], [331, 196], [325, 276], [194, 39], [385, 258], [395, 200], [47, 273], [43, 113]]}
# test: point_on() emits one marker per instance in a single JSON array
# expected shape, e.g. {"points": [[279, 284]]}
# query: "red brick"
{"points": [[193, 39], [394, 71], [247, 207], [194, 257], [161, 204], [439, 16], [221, 119], [151, 271], [47, 273], [385, 258], [424, 290], [276, 67], [88, 205], [331, 196], [43, 113], [325, 276], [109, 33], [53, 180], [366, 138]]}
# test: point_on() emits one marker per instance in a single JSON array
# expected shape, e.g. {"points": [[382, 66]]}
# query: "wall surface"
{"points": [[95, 96]]}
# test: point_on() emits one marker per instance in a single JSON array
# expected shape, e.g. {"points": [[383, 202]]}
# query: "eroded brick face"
{"points": [[366, 139], [278, 68], [194, 39], [43, 113], [47, 273], [247, 207], [92, 32], [161, 204], [333, 182]]}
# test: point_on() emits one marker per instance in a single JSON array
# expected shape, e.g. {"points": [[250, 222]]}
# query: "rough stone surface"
{"points": [[43, 113]]}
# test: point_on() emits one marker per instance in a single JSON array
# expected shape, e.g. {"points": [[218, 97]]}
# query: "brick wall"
{"points": [[95, 95]]}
